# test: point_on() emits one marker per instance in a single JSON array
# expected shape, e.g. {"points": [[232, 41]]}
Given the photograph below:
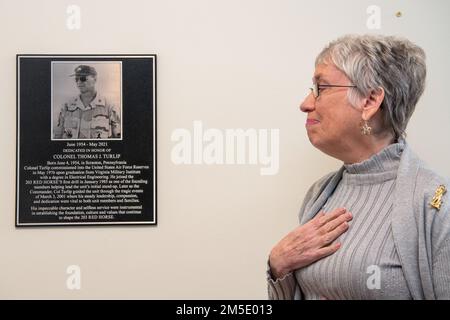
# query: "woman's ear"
{"points": [[372, 103]]}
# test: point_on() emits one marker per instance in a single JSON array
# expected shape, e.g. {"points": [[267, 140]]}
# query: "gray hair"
{"points": [[371, 61]]}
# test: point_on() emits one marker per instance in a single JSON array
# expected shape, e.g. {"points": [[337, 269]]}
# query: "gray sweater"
{"points": [[409, 243]]}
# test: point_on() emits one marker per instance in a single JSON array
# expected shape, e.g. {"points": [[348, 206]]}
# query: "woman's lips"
{"points": [[311, 122]]}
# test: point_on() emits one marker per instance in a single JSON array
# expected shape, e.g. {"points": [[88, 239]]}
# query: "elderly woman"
{"points": [[379, 227]]}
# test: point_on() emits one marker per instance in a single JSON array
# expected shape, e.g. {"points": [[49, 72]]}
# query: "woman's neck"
{"points": [[367, 148]]}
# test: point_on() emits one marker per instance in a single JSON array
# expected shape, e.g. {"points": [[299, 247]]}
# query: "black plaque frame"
{"points": [[35, 148]]}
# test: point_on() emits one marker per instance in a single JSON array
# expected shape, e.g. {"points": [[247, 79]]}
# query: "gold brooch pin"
{"points": [[436, 202]]}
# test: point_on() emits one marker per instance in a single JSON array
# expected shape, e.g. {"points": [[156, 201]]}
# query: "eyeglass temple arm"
{"points": [[333, 85]]}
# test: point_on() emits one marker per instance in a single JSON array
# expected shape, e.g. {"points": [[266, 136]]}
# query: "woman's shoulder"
{"points": [[427, 182], [432, 196], [432, 190], [431, 182]]}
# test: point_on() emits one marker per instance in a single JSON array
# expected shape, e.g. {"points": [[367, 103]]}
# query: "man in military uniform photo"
{"points": [[88, 115]]}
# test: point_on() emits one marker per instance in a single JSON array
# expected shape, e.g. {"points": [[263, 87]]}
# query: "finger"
{"points": [[317, 218], [320, 215], [328, 250], [332, 215], [333, 224], [334, 234]]}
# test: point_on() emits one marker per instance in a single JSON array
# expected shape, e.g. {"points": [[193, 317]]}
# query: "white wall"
{"points": [[231, 64]]}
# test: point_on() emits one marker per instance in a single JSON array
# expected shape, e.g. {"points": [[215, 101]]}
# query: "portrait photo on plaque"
{"points": [[86, 140], [86, 100]]}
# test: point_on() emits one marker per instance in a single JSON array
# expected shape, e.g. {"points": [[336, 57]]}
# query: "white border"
{"points": [[153, 222]]}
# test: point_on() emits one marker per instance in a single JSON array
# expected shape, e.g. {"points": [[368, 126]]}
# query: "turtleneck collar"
{"points": [[378, 168]]}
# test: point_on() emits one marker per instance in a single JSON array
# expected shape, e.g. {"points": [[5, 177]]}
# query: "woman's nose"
{"points": [[308, 104]]}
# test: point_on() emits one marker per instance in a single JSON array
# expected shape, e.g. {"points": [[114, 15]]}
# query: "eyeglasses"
{"points": [[82, 79], [316, 88]]}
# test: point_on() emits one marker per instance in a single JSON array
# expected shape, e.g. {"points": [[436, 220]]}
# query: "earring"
{"points": [[365, 128]]}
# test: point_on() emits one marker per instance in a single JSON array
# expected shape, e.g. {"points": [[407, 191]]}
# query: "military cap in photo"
{"points": [[84, 70]]}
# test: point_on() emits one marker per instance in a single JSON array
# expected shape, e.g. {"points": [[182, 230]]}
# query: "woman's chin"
{"points": [[313, 139], [318, 143]]}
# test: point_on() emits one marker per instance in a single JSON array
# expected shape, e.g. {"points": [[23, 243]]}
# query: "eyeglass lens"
{"points": [[315, 90], [82, 79]]}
